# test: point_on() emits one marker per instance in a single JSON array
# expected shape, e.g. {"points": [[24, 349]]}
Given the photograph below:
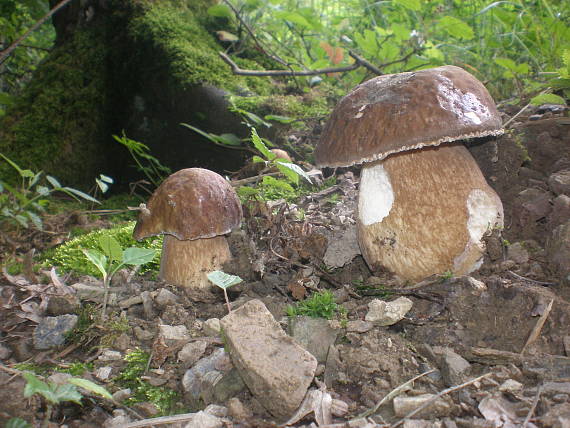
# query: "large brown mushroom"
{"points": [[423, 206], [194, 208]]}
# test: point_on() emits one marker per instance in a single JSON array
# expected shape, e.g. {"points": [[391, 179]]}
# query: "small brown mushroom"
{"points": [[423, 208], [193, 208]]}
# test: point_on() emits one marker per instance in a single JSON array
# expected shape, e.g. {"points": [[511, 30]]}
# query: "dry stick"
{"points": [[391, 395], [532, 408], [5, 53], [538, 327], [237, 183], [161, 420], [515, 116], [529, 280], [439, 395]]}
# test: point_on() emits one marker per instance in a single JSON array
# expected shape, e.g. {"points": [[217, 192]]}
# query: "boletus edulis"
{"points": [[423, 204], [193, 208]]}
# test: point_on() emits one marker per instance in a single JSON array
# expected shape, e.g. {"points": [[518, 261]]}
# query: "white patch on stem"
{"points": [[375, 197]]}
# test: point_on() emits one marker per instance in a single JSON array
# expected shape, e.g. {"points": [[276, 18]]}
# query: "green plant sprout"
{"points": [[150, 166], [114, 258], [320, 305], [22, 204], [224, 281], [55, 394]]}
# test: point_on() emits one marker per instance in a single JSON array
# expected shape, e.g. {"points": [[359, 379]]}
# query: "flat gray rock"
{"points": [[51, 331], [275, 368]]}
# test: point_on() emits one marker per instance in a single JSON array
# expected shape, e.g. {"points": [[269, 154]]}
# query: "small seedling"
{"points": [[224, 281], [114, 258], [319, 305], [55, 394]]}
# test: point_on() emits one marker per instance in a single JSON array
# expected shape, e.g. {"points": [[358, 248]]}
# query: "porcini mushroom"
{"points": [[193, 208], [423, 206]]}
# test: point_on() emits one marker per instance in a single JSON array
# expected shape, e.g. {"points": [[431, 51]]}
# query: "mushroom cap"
{"points": [[193, 203], [399, 112]]}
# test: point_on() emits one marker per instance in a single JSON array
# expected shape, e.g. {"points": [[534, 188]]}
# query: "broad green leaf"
{"points": [[106, 179], [42, 190], [257, 159], [414, 5], [102, 185], [295, 168], [91, 387], [66, 392], [506, 63], [294, 18], [220, 11], [230, 140], [98, 259], [456, 27], [35, 385], [13, 164], [212, 137], [22, 220], [260, 145], [226, 36], [71, 192], [280, 119], [547, 99], [138, 256], [17, 423], [223, 280], [111, 248], [36, 220], [53, 181]]}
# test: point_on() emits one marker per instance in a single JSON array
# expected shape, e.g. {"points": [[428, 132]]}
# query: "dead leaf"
{"points": [[297, 289]]}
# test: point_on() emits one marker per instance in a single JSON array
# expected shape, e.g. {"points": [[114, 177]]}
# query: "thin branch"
{"points": [[439, 395], [5, 53], [538, 326], [236, 70], [516, 275], [365, 63], [533, 407]]}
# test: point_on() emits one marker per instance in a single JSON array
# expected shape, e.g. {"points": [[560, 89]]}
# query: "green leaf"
{"points": [[71, 192], [456, 27], [111, 248], [13, 164], [257, 159], [91, 387], [293, 167], [220, 11], [106, 179], [414, 5], [547, 99], [229, 139], [35, 385], [36, 220], [260, 145], [138, 256], [53, 181], [17, 423], [98, 259], [223, 280], [294, 18], [280, 119], [66, 392]]}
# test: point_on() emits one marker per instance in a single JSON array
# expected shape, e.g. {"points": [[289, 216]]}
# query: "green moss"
{"points": [[69, 256], [298, 107], [57, 113]]}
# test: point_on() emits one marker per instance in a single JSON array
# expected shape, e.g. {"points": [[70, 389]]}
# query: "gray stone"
{"points": [[192, 379], [61, 305], [122, 394], [342, 248], [333, 367], [419, 423], [103, 373], [512, 386], [204, 420], [359, 326], [404, 405], [5, 352], [517, 253], [192, 352], [557, 416], [173, 334], [558, 250], [276, 369], [453, 367], [314, 334], [559, 182], [237, 410], [388, 313], [560, 211], [142, 334], [165, 298], [534, 204], [109, 355], [50, 332], [211, 327]]}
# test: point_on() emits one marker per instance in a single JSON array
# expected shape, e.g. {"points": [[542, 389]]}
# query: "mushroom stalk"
{"points": [[187, 262], [424, 212]]}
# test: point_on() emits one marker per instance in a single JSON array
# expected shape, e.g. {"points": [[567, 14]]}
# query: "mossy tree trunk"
{"points": [[142, 66]]}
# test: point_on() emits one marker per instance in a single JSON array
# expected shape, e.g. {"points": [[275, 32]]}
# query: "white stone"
{"points": [[388, 313], [211, 327]]}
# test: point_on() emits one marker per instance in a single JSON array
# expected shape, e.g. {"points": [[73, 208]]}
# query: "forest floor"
{"points": [[491, 349]]}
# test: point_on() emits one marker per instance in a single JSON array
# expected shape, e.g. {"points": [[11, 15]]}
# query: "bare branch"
{"points": [[5, 53]]}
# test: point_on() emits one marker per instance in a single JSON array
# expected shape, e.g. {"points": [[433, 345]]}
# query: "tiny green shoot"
{"points": [[224, 281]]}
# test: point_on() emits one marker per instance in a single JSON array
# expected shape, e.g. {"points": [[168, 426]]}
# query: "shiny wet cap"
{"points": [[399, 112], [193, 203]]}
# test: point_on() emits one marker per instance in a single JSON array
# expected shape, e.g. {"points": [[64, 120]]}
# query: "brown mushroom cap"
{"points": [[193, 203], [406, 111]]}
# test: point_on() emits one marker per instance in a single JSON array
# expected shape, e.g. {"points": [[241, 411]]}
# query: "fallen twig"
{"points": [[392, 394], [532, 408], [161, 420], [538, 326], [439, 395], [516, 275]]}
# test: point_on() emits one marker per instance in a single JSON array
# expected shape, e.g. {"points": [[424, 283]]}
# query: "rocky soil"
{"points": [[487, 350]]}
